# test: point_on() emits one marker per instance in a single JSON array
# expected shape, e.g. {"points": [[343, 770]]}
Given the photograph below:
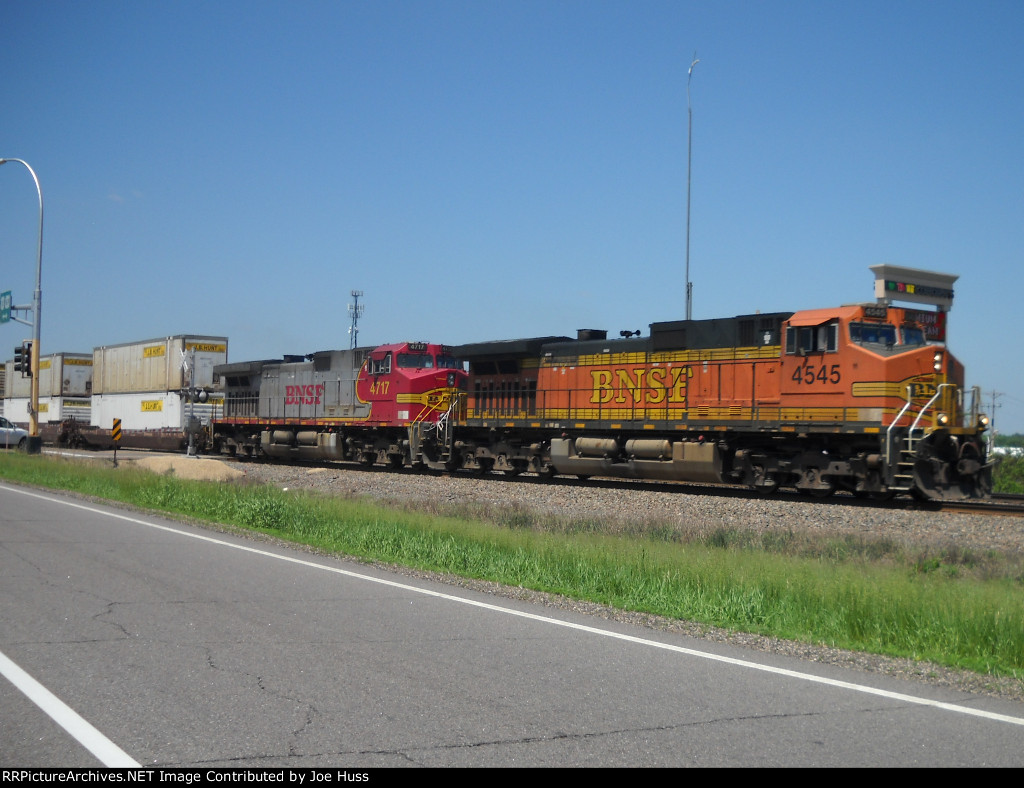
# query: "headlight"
{"points": [[937, 361], [982, 422], [943, 420]]}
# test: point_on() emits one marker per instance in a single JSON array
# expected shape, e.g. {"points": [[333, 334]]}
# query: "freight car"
{"points": [[394, 404]]}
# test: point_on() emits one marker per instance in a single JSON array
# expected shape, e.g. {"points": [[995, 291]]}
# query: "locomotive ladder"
{"points": [[444, 436], [446, 433], [903, 476]]}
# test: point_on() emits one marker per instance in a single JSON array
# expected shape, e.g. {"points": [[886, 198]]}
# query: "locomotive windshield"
{"points": [[913, 335], [873, 333], [415, 361], [427, 361], [886, 335], [448, 362]]}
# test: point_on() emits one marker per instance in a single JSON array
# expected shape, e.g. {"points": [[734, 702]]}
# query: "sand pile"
{"points": [[185, 467]]}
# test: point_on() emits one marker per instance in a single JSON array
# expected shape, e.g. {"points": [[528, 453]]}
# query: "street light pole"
{"points": [[689, 158], [34, 441]]}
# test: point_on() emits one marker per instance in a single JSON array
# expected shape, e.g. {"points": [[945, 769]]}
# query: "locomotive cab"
{"points": [[410, 382], [881, 365], [881, 370]]}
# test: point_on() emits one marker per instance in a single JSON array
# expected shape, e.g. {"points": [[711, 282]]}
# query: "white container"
{"points": [[60, 375], [156, 365], [151, 411], [52, 410]]}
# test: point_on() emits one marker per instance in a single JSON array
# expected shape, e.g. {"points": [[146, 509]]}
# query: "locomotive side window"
{"points": [[381, 366], [801, 340]]}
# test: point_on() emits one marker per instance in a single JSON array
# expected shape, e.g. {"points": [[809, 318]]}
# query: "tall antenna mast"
{"points": [[689, 158], [355, 310]]}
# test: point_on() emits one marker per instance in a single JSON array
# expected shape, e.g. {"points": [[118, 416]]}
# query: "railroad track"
{"points": [[1002, 504], [1005, 505]]}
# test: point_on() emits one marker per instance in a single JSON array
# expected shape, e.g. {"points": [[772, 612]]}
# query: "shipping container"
{"points": [[52, 410], [157, 365], [151, 411], [60, 375]]}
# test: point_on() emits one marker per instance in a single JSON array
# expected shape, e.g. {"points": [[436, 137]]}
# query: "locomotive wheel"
{"points": [[396, 461], [826, 487], [764, 483]]}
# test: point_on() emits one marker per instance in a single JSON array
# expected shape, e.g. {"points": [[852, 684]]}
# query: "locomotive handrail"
{"points": [[917, 419], [895, 421], [938, 391]]}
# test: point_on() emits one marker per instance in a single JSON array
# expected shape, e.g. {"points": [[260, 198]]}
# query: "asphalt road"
{"points": [[165, 645]]}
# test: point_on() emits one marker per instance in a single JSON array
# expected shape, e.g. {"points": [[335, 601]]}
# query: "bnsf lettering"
{"points": [[640, 386], [303, 395]]}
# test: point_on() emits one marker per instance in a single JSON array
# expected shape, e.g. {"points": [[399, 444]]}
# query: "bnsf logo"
{"points": [[303, 395]]}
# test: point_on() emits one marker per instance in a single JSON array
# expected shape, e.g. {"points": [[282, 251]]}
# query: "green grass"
{"points": [[952, 607], [1009, 475]]}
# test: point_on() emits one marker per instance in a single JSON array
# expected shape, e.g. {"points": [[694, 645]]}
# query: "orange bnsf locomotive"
{"points": [[863, 398]]}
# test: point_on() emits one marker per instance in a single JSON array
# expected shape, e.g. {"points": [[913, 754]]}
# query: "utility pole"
{"points": [[689, 159], [992, 420], [355, 309]]}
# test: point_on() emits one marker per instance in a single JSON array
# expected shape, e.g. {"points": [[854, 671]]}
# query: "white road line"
{"points": [[108, 753], [959, 709]]}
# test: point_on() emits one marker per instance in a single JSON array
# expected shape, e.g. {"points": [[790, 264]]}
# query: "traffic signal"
{"points": [[23, 358]]}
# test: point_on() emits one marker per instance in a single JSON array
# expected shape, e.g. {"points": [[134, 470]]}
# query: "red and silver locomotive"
{"points": [[393, 404]]}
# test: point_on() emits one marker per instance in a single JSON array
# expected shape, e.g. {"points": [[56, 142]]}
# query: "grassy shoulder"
{"points": [[957, 610]]}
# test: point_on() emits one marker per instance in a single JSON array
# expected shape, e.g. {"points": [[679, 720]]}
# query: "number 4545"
{"points": [[811, 373]]}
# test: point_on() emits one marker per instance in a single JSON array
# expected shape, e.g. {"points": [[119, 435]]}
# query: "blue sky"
{"points": [[485, 170]]}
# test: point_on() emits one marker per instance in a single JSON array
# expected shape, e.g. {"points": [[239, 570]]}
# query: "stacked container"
{"points": [[152, 385], [65, 387]]}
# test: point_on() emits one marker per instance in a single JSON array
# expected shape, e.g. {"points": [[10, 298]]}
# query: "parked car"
{"points": [[12, 436]]}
